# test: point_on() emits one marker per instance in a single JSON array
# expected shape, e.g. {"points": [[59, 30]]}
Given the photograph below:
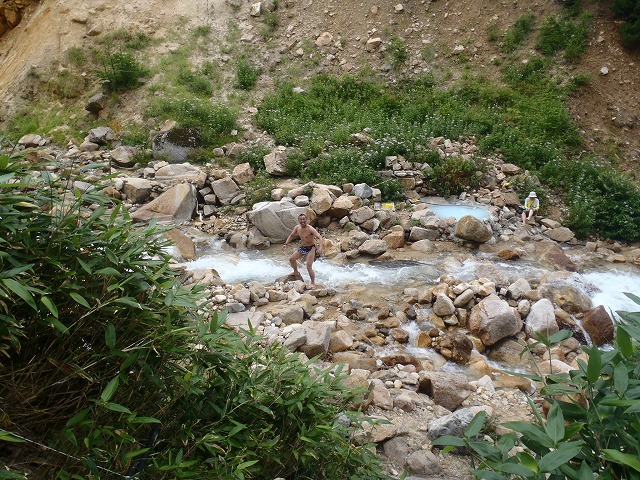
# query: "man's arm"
{"points": [[291, 235]]}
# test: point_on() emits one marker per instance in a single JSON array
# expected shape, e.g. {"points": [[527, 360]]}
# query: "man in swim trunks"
{"points": [[307, 235]]}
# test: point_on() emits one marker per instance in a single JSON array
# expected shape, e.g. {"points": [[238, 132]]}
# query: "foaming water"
{"points": [[603, 286], [607, 287]]}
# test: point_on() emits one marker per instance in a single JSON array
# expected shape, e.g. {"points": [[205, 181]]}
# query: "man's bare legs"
{"points": [[311, 256], [293, 260]]}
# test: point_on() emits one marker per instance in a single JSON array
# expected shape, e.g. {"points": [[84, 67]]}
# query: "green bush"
{"points": [[452, 176], [214, 122], [517, 34], [120, 70], [195, 82], [564, 34], [629, 11], [254, 156], [111, 360], [246, 74], [259, 188], [398, 51], [591, 429]]}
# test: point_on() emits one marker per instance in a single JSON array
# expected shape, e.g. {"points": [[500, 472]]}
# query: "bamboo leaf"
{"points": [[555, 423], [135, 453], [6, 436], [594, 366], [79, 299], [46, 301], [110, 389], [449, 440], [556, 458], [620, 378], [475, 425], [110, 336], [21, 291], [108, 271], [116, 407], [623, 458], [128, 301]]}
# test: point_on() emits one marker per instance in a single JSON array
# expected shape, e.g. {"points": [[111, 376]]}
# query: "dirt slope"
{"points": [[607, 109]]}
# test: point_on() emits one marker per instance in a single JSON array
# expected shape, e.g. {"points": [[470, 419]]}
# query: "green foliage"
{"points": [[591, 429], [259, 188], [344, 165], [254, 156], [629, 11], [67, 84], [76, 56], [125, 370], [599, 197], [201, 31], [120, 70], [246, 74], [398, 51], [526, 120], [565, 34], [126, 40], [271, 22], [195, 82], [452, 176], [214, 122], [517, 34]]}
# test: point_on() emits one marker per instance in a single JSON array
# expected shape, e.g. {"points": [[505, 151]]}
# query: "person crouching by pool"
{"points": [[307, 235], [531, 206]]}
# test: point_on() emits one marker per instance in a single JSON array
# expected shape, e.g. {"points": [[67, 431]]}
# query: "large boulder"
{"points": [[472, 229], [493, 319], [541, 319], [552, 255], [275, 220], [137, 190], [276, 162], [448, 390], [456, 346], [176, 205], [225, 189], [598, 324], [181, 172]]}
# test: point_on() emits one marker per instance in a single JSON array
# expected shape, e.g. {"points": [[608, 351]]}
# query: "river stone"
{"points": [[321, 200], [181, 172], [561, 234], [423, 462], [472, 229], [456, 346], [101, 135], [541, 319], [598, 324], [453, 424], [552, 255], [443, 306], [176, 205], [184, 245], [242, 173], [124, 156], [275, 220], [373, 246], [362, 190], [448, 390], [361, 215], [493, 319], [225, 189], [31, 140], [276, 162], [518, 288], [137, 190]]}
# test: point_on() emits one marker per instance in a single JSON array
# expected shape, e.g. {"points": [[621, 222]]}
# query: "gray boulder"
{"points": [[493, 319], [176, 205], [275, 220], [472, 229]]}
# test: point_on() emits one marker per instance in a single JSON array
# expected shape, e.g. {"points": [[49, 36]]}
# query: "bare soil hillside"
{"points": [[446, 38]]}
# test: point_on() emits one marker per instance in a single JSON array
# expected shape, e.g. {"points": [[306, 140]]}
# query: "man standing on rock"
{"points": [[307, 235]]}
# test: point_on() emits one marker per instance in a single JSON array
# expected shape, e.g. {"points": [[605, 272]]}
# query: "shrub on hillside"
{"points": [[120, 70], [246, 74], [566, 34], [119, 370], [629, 11], [591, 428], [214, 122]]}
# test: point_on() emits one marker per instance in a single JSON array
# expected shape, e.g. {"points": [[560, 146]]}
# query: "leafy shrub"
{"points": [[196, 83], [516, 35], [600, 196], [398, 51], [120, 70], [629, 11], [123, 368], [215, 122], [254, 156], [591, 429], [259, 188], [271, 22], [76, 56], [564, 34], [452, 176], [246, 74]]}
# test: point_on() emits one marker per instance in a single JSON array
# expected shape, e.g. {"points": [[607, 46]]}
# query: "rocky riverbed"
{"points": [[447, 308]]}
